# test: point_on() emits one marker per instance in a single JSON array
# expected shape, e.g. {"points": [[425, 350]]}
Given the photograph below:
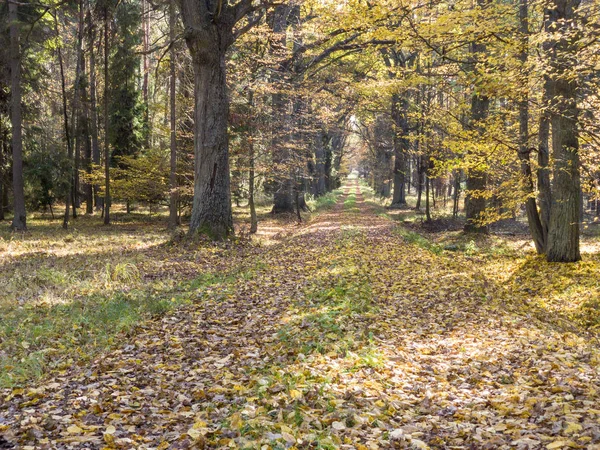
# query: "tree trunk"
{"points": [[476, 178], [319, 182], [146, 65], [173, 216], [401, 146], [211, 212], [533, 217], [456, 194], [19, 222], [3, 174], [98, 201], [427, 204], [106, 125], [563, 233], [67, 136]]}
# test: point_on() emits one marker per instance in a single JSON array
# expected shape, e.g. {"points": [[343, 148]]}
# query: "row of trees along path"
{"points": [[343, 335]]}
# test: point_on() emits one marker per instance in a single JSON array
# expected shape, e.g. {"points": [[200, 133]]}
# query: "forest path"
{"points": [[342, 336]]}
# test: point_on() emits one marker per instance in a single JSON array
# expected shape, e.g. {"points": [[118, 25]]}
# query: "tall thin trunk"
{"points": [[77, 111], [146, 66], [19, 222], [543, 172], [533, 217], [98, 201], [106, 125], [419, 183], [401, 144], [456, 194], [173, 217], [427, 204], [251, 181], [68, 195], [2, 172]]}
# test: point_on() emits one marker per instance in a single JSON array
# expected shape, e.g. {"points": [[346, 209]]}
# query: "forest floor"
{"points": [[349, 331]]}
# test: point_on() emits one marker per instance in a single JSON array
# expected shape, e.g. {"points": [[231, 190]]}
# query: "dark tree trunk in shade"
{"points": [[251, 163], [320, 187], [66, 129], [173, 199], [19, 222], [401, 147], [3, 174], [98, 200], [106, 125]]}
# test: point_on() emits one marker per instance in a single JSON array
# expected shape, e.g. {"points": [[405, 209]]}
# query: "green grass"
{"points": [[37, 338], [324, 202], [420, 241]]}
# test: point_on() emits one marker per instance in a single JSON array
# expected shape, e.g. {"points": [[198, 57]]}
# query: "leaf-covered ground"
{"points": [[345, 334]]}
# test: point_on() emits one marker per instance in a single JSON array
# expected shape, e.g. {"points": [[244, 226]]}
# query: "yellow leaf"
{"points": [[74, 429], [573, 427], [295, 394], [110, 430], [557, 444]]}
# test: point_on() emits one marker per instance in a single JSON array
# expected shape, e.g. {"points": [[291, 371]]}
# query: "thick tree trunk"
{"points": [[563, 233], [476, 178], [211, 212], [19, 222], [173, 216]]}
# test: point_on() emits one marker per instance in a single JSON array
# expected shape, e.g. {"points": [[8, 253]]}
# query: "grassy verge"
{"points": [[36, 338], [324, 202]]}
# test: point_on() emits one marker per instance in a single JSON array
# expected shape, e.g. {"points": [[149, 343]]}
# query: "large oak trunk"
{"points": [[211, 211]]}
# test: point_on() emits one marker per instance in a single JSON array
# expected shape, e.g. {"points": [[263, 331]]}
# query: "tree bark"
{"points": [[211, 211], [173, 216], [476, 178], [19, 222], [67, 136], [533, 217], [106, 125], [401, 147], [98, 200], [563, 232], [3, 174]]}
